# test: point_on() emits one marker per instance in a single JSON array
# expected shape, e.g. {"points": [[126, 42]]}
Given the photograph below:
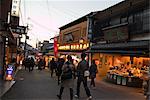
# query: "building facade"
{"points": [[121, 35], [73, 38], [8, 42]]}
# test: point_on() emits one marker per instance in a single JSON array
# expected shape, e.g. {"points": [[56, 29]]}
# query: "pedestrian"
{"points": [[67, 78], [53, 66], [40, 64], [24, 63], [81, 68], [32, 63], [27, 64], [60, 63], [93, 70]]}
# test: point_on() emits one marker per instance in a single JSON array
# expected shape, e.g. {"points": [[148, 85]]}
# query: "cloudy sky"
{"points": [[44, 17]]}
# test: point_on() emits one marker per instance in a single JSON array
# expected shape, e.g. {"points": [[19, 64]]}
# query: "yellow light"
{"points": [[74, 47], [77, 46], [80, 46], [84, 46], [71, 46], [87, 45]]}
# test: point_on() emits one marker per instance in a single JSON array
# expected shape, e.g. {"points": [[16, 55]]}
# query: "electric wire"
{"points": [[36, 23], [47, 4], [59, 11], [24, 9]]}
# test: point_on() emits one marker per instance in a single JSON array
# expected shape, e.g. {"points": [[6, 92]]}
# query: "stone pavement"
{"points": [[38, 85], [5, 86]]}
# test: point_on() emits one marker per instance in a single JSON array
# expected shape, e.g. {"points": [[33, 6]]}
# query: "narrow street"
{"points": [[38, 85]]}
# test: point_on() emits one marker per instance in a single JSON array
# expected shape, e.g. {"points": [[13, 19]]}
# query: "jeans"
{"points": [[84, 80]]}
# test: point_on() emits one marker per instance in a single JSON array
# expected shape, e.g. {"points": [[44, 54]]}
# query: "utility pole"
{"points": [[26, 37]]}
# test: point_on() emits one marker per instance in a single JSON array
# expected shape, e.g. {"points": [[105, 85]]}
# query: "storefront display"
{"points": [[132, 76], [123, 70]]}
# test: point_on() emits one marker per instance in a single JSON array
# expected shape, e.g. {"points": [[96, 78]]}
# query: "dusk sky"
{"points": [[46, 16]]}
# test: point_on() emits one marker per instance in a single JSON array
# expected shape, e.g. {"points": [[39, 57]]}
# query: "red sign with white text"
{"points": [[55, 47]]}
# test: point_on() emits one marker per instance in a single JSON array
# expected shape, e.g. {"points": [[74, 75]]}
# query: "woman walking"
{"points": [[93, 70], [67, 77]]}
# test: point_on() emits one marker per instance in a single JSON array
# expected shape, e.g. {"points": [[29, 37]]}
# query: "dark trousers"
{"points": [[58, 79], [52, 71], [71, 92], [92, 82], [84, 80]]}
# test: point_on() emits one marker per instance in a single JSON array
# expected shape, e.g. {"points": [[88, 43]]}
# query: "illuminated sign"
{"points": [[15, 8], [74, 47], [55, 47], [9, 72]]}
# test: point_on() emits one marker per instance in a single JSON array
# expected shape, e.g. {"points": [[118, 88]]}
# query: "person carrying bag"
{"points": [[67, 79], [82, 74]]}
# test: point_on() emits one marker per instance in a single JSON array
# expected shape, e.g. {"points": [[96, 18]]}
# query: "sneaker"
{"points": [[76, 96], [89, 98], [59, 97]]}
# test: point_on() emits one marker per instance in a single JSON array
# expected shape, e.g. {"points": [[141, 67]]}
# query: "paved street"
{"points": [[38, 85]]}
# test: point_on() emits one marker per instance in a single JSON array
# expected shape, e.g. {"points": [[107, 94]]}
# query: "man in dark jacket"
{"points": [[60, 63], [40, 64], [81, 68], [32, 63], [53, 66], [93, 70]]}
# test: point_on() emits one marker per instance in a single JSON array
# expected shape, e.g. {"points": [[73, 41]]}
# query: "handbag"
{"points": [[86, 73]]}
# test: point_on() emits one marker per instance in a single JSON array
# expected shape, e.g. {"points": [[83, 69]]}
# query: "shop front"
{"points": [[123, 63], [74, 50]]}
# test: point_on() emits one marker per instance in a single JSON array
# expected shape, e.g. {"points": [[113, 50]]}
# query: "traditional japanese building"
{"points": [[121, 35]]}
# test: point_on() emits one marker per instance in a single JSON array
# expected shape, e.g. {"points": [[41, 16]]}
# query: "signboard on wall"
{"points": [[15, 8], [116, 34], [19, 29]]}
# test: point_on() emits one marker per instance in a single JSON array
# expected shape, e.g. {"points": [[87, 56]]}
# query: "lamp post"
{"points": [[26, 37]]}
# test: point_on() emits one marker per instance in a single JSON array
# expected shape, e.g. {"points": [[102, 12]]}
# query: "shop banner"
{"points": [[55, 47]]}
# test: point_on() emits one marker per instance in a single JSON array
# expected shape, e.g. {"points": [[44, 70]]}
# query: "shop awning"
{"points": [[131, 44], [50, 47], [122, 52]]}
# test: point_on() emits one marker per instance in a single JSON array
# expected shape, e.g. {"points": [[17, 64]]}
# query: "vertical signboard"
{"points": [[15, 8], [14, 19], [55, 47]]}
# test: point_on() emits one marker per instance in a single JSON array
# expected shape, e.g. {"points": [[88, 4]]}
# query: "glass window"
{"points": [[123, 19], [115, 21], [138, 17], [130, 19], [146, 16]]}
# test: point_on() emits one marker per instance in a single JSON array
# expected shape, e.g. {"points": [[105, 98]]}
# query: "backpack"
{"points": [[67, 74]]}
